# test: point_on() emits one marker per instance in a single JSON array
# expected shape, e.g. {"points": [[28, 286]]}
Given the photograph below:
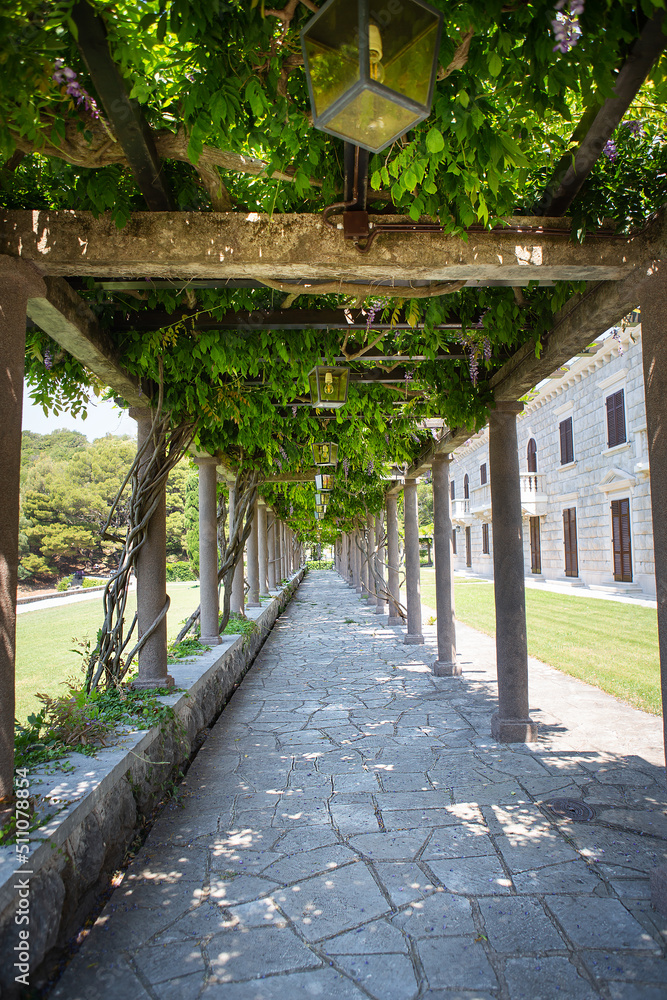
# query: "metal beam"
{"points": [[126, 116], [241, 245], [265, 319], [570, 175], [68, 320]]}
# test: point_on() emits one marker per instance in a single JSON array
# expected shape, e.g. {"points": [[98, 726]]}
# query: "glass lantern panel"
{"points": [[372, 120], [332, 53], [409, 36], [321, 508]]}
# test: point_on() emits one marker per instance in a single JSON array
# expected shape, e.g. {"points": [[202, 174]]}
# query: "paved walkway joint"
{"points": [[349, 830]]}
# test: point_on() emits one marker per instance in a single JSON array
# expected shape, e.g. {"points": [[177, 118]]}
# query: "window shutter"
{"points": [[466, 487], [482, 474], [620, 417], [622, 549], [452, 490], [616, 419], [454, 541], [532, 455], [570, 541], [566, 444]]}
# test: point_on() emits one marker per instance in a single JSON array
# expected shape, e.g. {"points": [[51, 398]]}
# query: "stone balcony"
{"points": [[480, 502], [533, 497], [461, 512]]}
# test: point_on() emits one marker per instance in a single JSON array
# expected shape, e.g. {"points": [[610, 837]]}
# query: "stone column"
{"points": [[271, 538], [208, 552], [511, 723], [412, 570], [653, 312], [237, 603], [370, 535], [358, 557], [283, 551], [653, 303], [151, 567], [392, 560], [446, 664], [277, 540], [263, 545], [252, 553], [19, 281], [379, 565], [363, 564]]}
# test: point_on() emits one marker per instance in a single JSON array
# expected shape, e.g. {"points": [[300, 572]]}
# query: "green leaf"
{"points": [[434, 141], [495, 63], [463, 98]]}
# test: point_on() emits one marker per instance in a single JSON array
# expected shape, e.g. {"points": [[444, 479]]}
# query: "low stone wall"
{"points": [[100, 806]]}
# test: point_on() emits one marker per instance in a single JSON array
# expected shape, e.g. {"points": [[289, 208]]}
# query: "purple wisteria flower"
{"points": [[616, 335], [67, 77], [294, 409], [610, 151], [566, 24], [370, 467], [346, 466], [48, 360]]}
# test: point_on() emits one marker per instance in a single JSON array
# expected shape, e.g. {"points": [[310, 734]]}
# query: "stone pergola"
{"points": [[39, 250]]}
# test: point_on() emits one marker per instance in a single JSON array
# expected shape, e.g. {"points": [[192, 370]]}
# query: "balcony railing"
{"points": [[480, 501], [533, 497], [461, 512]]}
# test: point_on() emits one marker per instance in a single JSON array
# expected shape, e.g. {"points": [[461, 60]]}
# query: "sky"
{"points": [[103, 418]]}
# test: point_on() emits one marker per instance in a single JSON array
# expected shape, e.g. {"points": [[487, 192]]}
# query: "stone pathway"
{"points": [[349, 830]]}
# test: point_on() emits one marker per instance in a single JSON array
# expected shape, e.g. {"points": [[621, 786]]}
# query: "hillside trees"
{"points": [[67, 487]]}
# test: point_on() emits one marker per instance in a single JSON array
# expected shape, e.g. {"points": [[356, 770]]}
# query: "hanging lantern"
{"points": [[321, 508], [325, 453], [319, 516], [328, 387], [322, 497], [323, 481], [371, 68]]}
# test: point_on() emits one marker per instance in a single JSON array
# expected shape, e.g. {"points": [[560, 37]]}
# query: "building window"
{"points": [[485, 539], [570, 541], [482, 474], [531, 455], [566, 444], [616, 419], [620, 529], [454, 541], [466, 487], [468, 547], [535, 550], [452, 490]]}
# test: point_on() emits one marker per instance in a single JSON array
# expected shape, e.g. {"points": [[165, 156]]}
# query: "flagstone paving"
{"points": [[349, 830]]}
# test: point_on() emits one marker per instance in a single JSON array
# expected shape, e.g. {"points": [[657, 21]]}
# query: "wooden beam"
{"points": [[126, 116], [582, 319], [308, 476], [235, 244], [573, 168], [68, 320]]}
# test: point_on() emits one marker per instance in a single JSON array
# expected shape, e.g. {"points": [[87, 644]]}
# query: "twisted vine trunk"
{"points": [[370, 559], [160, 452], [231, 551]]}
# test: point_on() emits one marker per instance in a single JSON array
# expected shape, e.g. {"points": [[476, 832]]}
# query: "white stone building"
{"points": [[585, 491]]}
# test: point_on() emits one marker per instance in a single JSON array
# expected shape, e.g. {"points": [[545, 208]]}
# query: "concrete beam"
{"points": [[242, 245], [68, 320]]}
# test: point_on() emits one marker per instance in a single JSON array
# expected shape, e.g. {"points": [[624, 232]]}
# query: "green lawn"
{"points": [[44, 640], [610, 645]]}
